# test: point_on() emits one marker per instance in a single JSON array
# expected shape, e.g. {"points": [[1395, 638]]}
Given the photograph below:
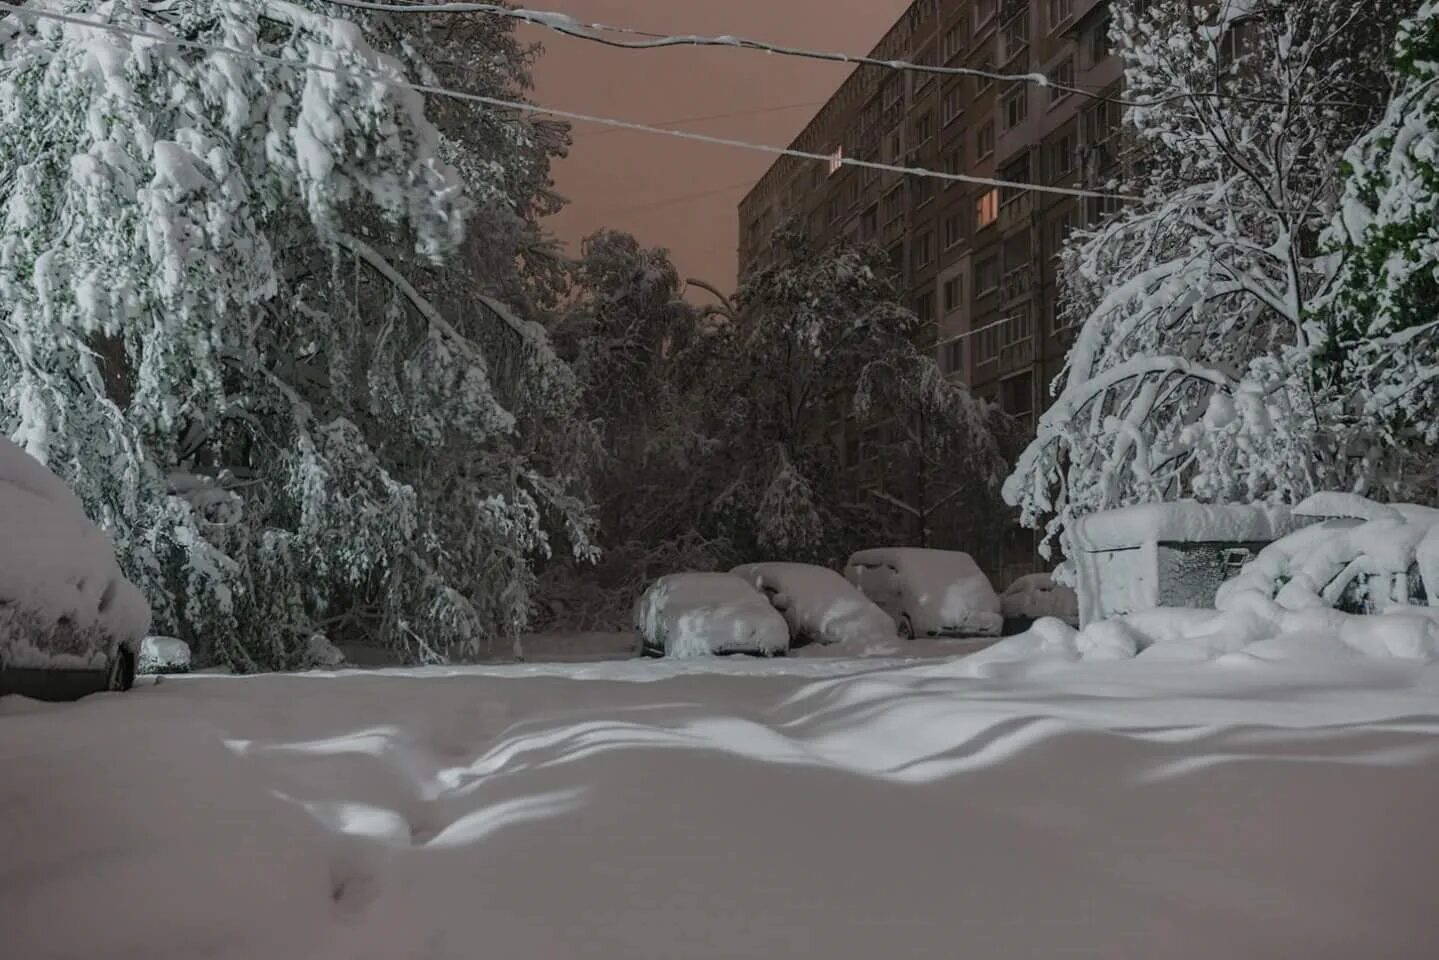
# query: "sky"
{"points": [[678, 194]]}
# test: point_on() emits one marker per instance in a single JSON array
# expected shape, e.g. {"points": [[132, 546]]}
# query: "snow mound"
{"points": [[1036, 596], [820, 605], [63, 599], [702, 614]]}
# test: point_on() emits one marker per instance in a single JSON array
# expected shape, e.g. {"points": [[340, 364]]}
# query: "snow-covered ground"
{"points": [[982, 807]]}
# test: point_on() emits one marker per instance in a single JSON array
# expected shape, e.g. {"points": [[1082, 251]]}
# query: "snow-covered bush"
{"points": [[1366, 557], [64, 601], [1192, 371], [228, 337], [1381, 340]]}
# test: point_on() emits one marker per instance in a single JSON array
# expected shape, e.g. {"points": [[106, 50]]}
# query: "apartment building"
{"points": [[978, 262]]}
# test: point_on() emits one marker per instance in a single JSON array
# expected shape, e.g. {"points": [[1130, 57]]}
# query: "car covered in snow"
{"points": [[705, 614], [819, 605], [70, 623], [1034, 597], [928, 593]]}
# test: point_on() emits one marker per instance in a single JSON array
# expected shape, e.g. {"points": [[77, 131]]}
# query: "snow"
{"points": [[702, 614], [1316, 566], [823, 606], [1184, 521], [984, 807], [163, 655], [941, 591], [64, 601], [1036, 596]]}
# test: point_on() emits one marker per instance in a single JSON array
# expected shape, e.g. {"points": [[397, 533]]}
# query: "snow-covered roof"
{"points": [[1184, 521]]}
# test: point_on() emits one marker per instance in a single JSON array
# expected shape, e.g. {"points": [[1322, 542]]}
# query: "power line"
{"points": [[565, 24], [727, 116], [376, 77], [671, 201]]}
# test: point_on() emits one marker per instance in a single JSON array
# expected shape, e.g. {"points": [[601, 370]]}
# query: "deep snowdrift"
{"points": [[979, 808]]}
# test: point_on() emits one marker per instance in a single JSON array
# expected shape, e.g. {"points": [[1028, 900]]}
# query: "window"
{"points": [[1016, 106], [953, 232], [893, 205], [1016, 35], [1059, 12], [1099, 44], [953, 294], [986, 347], [836, 160], [953, 164], [1102, 207], [951, 359], [896, 258], [987, 209], [834, 209], [869, 224], [923, 250], [1100, 121], [1016, 395], [953, 105], [984, 13], [924, 307], [952, 45], [1061, 157], [1016, 171], [923, 129], [923, 188], [984, 139], [894, 147], [1061, 80], [985, 81], [986, 276]]}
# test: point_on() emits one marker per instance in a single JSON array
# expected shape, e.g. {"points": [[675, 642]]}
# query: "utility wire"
{"points": [[390, 80], [726, 116], [594, 32], [671, 201]]}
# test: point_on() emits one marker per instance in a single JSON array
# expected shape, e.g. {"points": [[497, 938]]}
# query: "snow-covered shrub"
{"points": [[1367, 557]]}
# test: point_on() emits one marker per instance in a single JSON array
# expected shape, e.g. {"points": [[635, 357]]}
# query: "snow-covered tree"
{"points": [[1381, 335], [224, 327], [1191, 374], [940, 451], [824, 338]]}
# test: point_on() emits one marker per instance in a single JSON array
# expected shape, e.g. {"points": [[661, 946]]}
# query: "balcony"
{"points": [[1018, 283], [1016, 211]]}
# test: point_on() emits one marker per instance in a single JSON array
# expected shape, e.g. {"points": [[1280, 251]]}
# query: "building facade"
{"points": [[977, 262]]}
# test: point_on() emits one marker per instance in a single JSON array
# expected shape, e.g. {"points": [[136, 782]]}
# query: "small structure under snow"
{"points": [[164, 655], [1168, 554], [702, 614], [928, 593], [1035, 597]]}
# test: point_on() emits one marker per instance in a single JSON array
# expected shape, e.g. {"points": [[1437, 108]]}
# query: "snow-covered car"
{"points": [[70, 623], [703, 614], [819, 605], [928, 593], [1035, 597]]}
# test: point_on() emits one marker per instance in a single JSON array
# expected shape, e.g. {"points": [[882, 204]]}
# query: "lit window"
{"points": [[987, 209]]}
